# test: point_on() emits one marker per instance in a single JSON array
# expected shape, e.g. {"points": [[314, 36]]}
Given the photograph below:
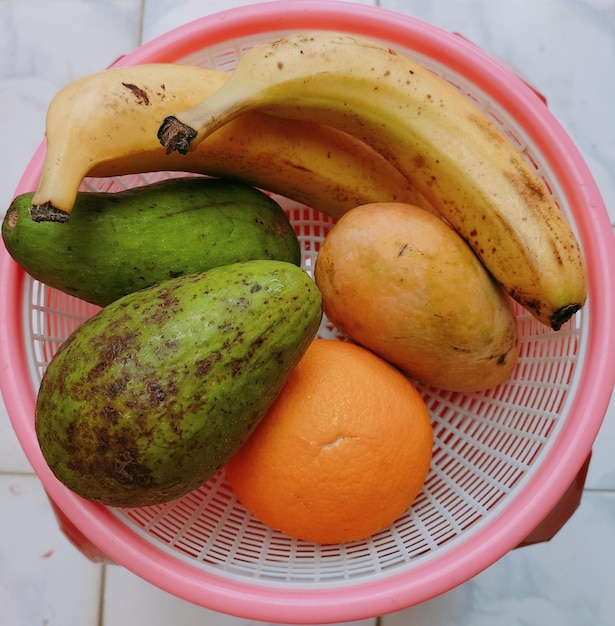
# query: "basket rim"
{"points": [[507, 528]]}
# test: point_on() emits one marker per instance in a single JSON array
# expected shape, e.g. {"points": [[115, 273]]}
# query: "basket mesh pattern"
{"points": [[486, 444]]}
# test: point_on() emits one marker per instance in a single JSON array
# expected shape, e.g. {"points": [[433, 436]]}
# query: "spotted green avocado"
{"points": [[120, 242], [150, 397]]}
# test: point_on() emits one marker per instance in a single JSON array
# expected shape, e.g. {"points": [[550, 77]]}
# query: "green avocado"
{"points": [[149, 398], [117, 243]]}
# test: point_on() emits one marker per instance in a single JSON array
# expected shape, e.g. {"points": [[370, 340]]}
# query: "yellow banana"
{"points": [[105, 124], [455, 156]]}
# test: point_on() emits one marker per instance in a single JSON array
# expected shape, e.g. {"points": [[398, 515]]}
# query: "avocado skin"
{"points": [[118, 242], [149, 398]]}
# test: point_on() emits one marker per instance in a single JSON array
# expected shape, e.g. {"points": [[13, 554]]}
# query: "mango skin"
{"points": [[120, 242], [149, 398], [401, 282]]}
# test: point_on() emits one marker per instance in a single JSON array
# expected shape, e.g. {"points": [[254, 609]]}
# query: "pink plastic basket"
{"points": [[502, 459]]}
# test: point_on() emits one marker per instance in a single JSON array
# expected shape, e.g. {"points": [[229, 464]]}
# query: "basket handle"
{"points": [[77, 538], [561, 512]]}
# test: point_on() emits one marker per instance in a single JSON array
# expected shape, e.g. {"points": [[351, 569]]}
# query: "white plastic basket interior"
{"points": [[486, 444]]}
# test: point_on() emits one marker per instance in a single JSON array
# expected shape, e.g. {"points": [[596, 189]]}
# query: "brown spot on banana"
{"points": [[486, 128], [528, 186], [140, 94]]}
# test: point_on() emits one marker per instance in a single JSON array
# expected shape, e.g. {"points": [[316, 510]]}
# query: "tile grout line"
{"points": [[101, 595], [141, 20], [18, 473]]}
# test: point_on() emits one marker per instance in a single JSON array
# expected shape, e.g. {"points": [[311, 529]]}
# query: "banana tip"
{"points": [[46, 212], [563, 314]]}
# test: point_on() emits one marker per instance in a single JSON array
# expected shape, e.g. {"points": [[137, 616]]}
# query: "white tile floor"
{"points": [[564, 47]]}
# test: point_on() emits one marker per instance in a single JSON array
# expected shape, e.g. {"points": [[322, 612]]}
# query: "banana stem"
{"points": [[175, 136]]}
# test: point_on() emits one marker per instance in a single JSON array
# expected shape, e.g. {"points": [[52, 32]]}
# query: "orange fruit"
{"points": [[343, 451]]}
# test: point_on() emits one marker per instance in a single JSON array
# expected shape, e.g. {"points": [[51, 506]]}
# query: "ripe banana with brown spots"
{"points": [[454, 155], [104, 124]]}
